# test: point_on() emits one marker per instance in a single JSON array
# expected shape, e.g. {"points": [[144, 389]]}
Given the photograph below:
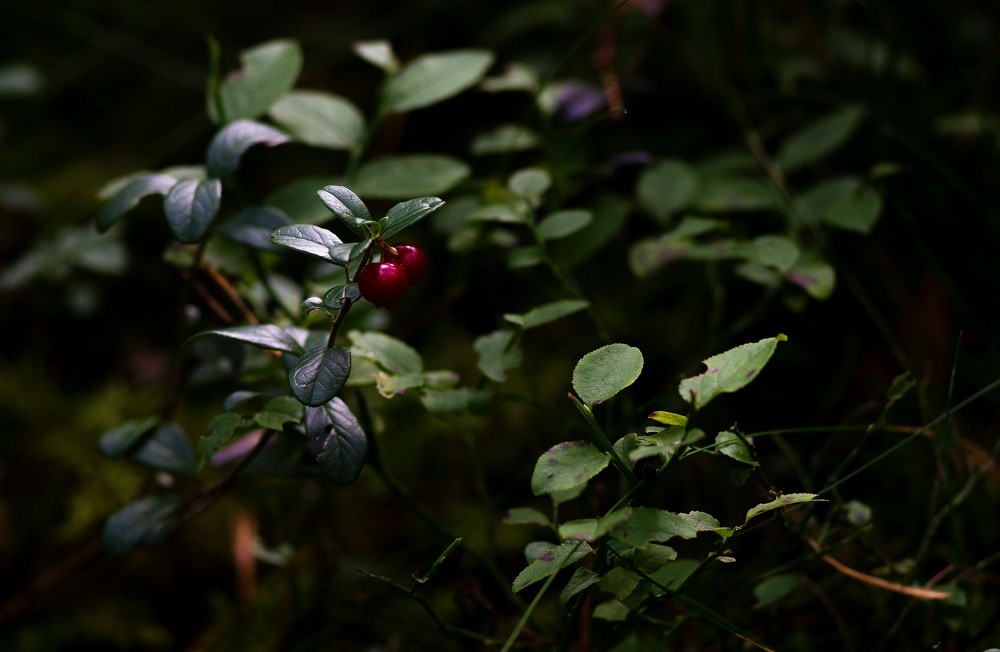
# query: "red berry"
{"points": [[384, 284], [412, 258]]}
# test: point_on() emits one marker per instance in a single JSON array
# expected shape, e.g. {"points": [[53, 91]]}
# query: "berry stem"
{"points": [[346, 302]]}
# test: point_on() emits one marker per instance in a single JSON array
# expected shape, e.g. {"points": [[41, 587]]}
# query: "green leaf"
{"points": [[620, 582], [563, 223], [592, 529], [253, 226], [129, 196], [858, 211], [121, 439], [530, 184], [498, 352], [728, 444], [775, 589], [313, 240], [319, 374], [653, 557], [779, 502], [320, 119], [408, 213], [378, 53], [610, 214], [167, 449], [547, 313], [454, 401], [770, 251], [335, 295], [264, 336], [432, 78], [277, 412], [550, 561], [612, 611], [348, 208], [667, 188], [649, 254], [144, 520], [813, 204], [813, 275], [268, 71], [819, 139], [222, 429], [391, 354], [337, 439], [669, 418], [190, 207], [233, 140], [647, 525], [736, 194], [567, 466], [504, 139], [728, 371], [407, 175], [389, 386], [524, 257], [525, 516], [602, 373], [582, 579]]}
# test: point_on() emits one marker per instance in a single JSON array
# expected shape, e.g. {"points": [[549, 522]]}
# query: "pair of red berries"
{"points": [[384, 283]]}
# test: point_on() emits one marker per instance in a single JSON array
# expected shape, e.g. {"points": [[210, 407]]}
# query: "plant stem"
{"points": [[602, 439]]}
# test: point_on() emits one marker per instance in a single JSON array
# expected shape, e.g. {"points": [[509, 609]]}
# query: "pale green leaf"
{"points": [[432, 78], [498, 351], [389, 353], [547, 313], [602, 373], [408, 175], [268, 71], [728, 371], [567, 466], [550, 561], [647, 525], [779, 502], [667, 188], [819, 139], [320, 119]]}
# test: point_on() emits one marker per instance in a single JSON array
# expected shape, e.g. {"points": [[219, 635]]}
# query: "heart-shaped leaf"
{"points": [[337, 439], [129, 196], [319, 375], [230, 143], [313, 240], [190, 207]]}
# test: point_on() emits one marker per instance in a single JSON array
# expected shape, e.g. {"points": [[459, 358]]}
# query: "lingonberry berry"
{"points": [[384, 284], [411, 257]]}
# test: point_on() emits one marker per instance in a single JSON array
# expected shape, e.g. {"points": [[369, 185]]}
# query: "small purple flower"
{"points": [[577, 101]]}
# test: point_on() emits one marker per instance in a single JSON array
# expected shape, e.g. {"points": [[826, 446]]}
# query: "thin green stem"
{"points": [[602, 439]]}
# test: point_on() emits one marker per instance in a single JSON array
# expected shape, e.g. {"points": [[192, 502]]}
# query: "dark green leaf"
{"points": [[524, 257], [563, 223], [525, 516], [432, 78], [313, 240], [667, 188], [604, 372], [730, 445], [550, 561], [335, 295], [813, 275], [264, 336], [348, 208], [728, 371], [338, 441], [253, 226], [610, 214], [408, 175], [141, 521], [592, 529], [770, 251], [583, 578], [647, 525], [190, 207], [454, 401], [278, 411], [319, 374], [775, 588], [819, 139], [129, 196], [504, 139], [222, 429], [498, 352], [409, 212], [530, 184], [731, 194], [620, 582], [120, 440], [230, 143], [567, 466], [269, 71], [858, 211], [547, 313], [167, 449], [815, 201], [320, 119]]}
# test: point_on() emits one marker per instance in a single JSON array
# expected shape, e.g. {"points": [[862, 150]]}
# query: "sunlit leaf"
{"points": [[602, 373], [268, 71], [320, 119], [190, 207], [432, 78], [728, 371], [549, 561], [567, 466], [233, 140]]}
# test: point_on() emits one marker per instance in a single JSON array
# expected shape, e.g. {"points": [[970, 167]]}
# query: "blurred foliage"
{"points": [[91, 90]]}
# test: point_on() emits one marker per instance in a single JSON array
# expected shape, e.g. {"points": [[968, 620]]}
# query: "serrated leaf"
{"points": [[813, 275], [612, 611], [407, 175], [407, 213], [378, 53], [129, 196], [819, 139], [142, 520], [567, 466], [592, 529], [653, 557], [278, 411], [432, 78], [620, 582], [582, 579], [530, 184], [320, 119], [602, 373], [348, 208], [319, 374], [550, 561], [498, 351], [730, 445], [233, 140], [779, 502], [669, 418], [167, 449], [667, 188], [222, 428], [121, 439], [190, 207], [337, 439], [728, 371], [647, 525], [391, 354], [547, 313], [525, 516], [313, 240], [253, 227], [563, 223], [268, 71], [264, 336]]}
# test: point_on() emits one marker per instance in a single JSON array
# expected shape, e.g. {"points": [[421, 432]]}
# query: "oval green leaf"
{"points": [[728, 371], [264, 336], [320, 119], [167, 449], [601, 374], [230, 143], [819, 139], [547, 313], [408, 213], [402, 176], [567, 466], [667, 187], [563, 223], [253, 227], [313, 240], [190, 207], [144, 520], [268, 71], [319, 374], [347, 207], [432, 78], [129, 196], [338, 440]]}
